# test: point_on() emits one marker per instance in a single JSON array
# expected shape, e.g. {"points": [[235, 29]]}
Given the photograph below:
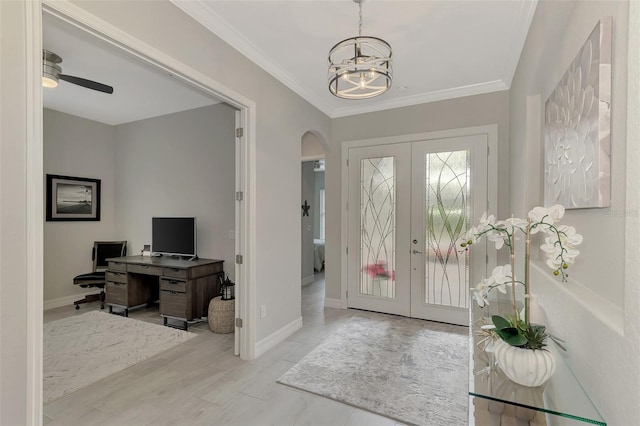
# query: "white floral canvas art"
{"points": [[578, 128]]}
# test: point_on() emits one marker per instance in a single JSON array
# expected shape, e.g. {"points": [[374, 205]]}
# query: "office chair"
{"points": [[102, 250]]}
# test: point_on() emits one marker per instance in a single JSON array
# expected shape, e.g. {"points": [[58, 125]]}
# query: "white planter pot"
{"points": [[524, 366]]}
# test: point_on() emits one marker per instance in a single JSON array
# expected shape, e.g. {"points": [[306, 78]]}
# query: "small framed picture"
{"points": [[72, 198]]}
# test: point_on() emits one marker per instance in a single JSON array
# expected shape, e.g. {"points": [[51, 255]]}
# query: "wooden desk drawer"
{"points": [[145, 269], [119, 277], [174, 304], [117, 266], [173, 285], [176, 272], [116, 293]]}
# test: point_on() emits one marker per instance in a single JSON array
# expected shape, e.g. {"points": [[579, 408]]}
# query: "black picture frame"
{"points": [[71, 198]]}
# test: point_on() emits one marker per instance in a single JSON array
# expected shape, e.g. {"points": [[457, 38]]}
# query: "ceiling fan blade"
{"points": [[87, 83]]}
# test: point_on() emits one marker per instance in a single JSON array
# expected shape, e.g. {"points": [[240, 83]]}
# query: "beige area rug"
{"points": [[82, 349], [410, 370]]}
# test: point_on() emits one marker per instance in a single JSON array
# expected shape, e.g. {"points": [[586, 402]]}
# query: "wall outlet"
{"points": [[263, 311]]}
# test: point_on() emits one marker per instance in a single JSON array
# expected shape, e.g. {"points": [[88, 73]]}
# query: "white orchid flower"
{"points": [[481, 299], [554, 263], [570, 256], [573, 253], [538, 213], [501, 274], [484, 284], [516, 223], [568, 235], [496, 237], [487, 221], [550, 245], [556, 212], [547, 216]]}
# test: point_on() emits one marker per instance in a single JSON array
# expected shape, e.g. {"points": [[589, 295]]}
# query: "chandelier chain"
{"points": [[360, 21]]}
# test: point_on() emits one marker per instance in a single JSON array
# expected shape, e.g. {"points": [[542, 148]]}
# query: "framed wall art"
{"points": [[72, 198], [577, 130]]}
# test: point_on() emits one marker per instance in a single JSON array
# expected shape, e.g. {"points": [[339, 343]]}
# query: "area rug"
{"points": [[82, 349], [410, 370]]}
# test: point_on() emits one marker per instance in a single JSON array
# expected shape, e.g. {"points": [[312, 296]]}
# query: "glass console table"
{"points": [[496, 400]]}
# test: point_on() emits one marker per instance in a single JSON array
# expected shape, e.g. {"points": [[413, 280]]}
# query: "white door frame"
{"points": [[491, 131], [245, 176]]}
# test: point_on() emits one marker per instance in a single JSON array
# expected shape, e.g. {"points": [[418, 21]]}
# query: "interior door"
{"points": [[408, 205]]}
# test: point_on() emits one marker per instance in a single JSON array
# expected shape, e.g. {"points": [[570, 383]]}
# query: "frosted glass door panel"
{"points": [[379, 213], [377, 223], [447, 218]]}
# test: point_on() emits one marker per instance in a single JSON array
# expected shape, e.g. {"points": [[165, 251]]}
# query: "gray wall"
{"points": [[180, 164], [596, 312], [311, 145], [75, 146], [307, 221], [492, 108]]}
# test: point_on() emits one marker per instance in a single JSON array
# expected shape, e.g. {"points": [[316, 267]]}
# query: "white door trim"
{"points": [[78, 17], [491, 131], [35, 207]]}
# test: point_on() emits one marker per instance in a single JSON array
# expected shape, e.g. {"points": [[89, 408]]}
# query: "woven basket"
{"points": [[222, 315]]}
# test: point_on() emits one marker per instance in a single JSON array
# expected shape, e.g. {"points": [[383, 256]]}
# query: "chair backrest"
{"points": [[103, 250]]}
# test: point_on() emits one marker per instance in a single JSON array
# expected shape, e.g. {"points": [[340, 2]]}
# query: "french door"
{"points": [[408, 205]]}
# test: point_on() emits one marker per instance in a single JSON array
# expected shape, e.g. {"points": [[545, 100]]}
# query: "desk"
{"points": [[184, 287]]}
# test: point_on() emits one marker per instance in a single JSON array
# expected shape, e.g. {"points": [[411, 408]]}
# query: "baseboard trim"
{"points": [[66, 300], [332, 303], [278, 336], [308, 280]]}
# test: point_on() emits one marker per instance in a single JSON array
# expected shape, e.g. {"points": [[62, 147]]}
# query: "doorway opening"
{"points": [[313, 225], [244, 179]]}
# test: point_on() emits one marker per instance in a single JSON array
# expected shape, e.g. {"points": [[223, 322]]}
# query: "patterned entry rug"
{"points": [[82, 349], [410, 370]]}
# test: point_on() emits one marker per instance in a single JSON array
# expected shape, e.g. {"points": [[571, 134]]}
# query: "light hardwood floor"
{"points": [[201, 382]]}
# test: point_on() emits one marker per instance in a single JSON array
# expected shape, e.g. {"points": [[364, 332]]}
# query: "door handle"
{"points": [[416, 252]]}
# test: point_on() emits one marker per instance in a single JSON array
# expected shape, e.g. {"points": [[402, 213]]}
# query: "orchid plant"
{"points": [[559, 246]]}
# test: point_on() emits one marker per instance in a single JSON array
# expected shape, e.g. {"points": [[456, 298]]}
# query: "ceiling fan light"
{"points": [[50, 69], [49, 81]]}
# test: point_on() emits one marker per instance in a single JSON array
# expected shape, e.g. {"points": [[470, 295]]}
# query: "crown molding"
{"points": [[423, 98], [200, 12], [519, 34]]}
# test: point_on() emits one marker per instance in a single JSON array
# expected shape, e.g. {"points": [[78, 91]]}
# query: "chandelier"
{"points": [[360, 67]]}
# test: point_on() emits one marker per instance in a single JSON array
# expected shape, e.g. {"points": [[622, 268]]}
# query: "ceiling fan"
{"points": [[52, 72]]}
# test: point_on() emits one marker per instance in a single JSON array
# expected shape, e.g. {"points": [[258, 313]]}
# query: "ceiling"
{"points": [[442, 49], [140, 90]]}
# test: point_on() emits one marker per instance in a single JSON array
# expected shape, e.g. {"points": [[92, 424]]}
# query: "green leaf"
{"points": [[512, 336], [500, 322], [557, 341]]}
